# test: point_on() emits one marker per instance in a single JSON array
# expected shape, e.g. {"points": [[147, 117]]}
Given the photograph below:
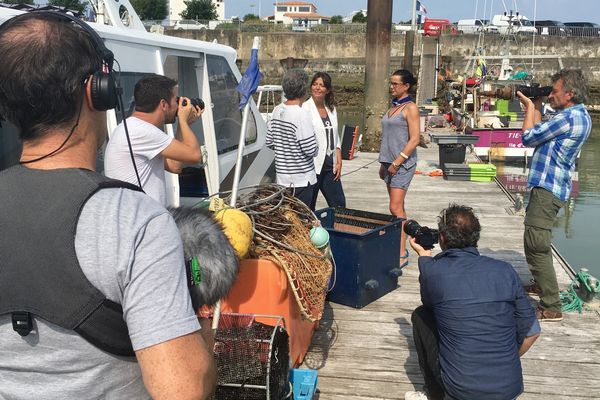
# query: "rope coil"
{"points": [[281, 224]]}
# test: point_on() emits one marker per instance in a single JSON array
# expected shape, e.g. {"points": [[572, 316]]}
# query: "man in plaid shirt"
{"points": [[557, 143]]}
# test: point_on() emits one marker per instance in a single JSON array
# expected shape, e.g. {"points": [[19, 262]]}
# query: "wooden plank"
{"points": [[368, 353]]}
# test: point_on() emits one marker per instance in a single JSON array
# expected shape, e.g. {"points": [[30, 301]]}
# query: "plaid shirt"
{"points": [[557, 143]]}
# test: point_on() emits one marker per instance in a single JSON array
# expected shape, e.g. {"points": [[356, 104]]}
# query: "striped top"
{"points": [[291, 136], [557, 143]]}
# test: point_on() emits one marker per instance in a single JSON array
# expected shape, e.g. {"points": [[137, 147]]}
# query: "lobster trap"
{"points": [[252, 357]]}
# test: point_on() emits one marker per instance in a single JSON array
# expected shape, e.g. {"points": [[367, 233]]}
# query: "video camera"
{"points": [[508, 92], [196, 102], [424, 236]]}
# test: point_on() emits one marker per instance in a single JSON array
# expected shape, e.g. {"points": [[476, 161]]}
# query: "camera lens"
{"points": [[534, 91], [196, 102], [411, 227]]}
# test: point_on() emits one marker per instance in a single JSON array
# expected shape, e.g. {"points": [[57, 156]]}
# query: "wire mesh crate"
{"points": [[252, 357]]}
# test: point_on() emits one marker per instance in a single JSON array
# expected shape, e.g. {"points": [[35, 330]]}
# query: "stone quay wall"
{"points": [[343, 55]]}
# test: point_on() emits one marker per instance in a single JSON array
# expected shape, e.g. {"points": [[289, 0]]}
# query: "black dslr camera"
{"points": [[424, 236], [196, 102]]}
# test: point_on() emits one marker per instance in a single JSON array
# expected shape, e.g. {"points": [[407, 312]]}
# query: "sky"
{"points": [[561, 10]]}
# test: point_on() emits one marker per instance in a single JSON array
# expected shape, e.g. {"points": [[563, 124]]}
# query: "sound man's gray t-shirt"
{"points": [[129, 248]]}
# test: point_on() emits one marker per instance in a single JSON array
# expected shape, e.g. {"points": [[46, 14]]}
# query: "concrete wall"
{"points": [[343, 54]]}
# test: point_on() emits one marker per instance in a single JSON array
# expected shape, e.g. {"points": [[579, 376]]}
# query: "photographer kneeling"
{"points": [[475, 321]]}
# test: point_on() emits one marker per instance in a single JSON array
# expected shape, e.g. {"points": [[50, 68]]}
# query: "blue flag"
{"points": [[250, 80]]}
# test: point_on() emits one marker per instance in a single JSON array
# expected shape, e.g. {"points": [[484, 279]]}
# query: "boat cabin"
{"points": [[204, 70]]}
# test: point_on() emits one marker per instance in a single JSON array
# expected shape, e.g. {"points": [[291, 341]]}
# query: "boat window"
{"points": [[225, 106], [128, 81], [10, 145], [188, 74]]}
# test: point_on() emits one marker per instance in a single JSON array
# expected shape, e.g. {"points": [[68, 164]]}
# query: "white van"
{"points": [[520, 24], [470, 26]]}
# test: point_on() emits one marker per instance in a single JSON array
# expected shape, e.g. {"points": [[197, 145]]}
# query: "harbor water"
{"points": [[576, 232]]}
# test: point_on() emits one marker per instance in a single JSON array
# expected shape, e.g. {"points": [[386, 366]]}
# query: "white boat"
{"points": [[203, 69], [269, 96]]}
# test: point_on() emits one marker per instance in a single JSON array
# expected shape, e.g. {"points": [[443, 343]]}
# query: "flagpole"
{"points": [[241, 143], [414, 16], [236, 176]]}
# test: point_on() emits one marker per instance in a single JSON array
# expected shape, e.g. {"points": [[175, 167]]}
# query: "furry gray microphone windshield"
{"points": [[204, 239]]}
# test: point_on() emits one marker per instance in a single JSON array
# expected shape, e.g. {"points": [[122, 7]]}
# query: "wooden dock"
{"points": [[369, 354]]}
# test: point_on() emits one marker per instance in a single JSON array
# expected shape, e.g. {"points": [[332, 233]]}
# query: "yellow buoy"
{"points": [[237, 226]]}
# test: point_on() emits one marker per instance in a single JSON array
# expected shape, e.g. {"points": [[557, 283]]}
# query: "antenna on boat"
{"points": [[120, 14]]}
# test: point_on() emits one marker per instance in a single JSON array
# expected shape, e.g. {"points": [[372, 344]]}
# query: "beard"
{"points": [[171, 118]]}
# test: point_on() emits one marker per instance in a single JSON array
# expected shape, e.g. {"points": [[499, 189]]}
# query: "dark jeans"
{"points": [[425, 335], [331, 189], [304, 194]]}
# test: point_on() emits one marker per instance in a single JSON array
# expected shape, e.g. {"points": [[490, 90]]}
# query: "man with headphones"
{"points": [[93, 295], [156, 104]]}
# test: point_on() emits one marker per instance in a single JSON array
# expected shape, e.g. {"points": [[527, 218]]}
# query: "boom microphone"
{"points": [[203, 240]]}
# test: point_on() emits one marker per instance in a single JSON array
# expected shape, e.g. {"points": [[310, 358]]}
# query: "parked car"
{"points": [[489, 28], [189, 24], [470, 26], [520, 24], [552, 28], [583, 29]]}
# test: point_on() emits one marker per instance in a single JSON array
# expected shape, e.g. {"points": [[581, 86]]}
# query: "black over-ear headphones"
{"points": [[103, 83]]}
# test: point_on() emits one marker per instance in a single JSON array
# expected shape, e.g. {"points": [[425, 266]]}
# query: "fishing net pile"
{"points": [[282, 226]]}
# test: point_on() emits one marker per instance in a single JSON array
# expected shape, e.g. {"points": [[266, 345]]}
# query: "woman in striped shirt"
{"points": [[291, 136]]}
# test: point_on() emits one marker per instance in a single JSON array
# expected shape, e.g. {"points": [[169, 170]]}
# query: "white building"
{"points": [[348, 18], [298, 13], [176, 7]]}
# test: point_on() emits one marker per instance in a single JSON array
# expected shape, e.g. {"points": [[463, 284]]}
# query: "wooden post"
{"points": [[409, 45], [377, 70]]}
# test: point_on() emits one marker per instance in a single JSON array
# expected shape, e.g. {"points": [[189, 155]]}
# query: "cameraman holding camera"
{"points": [[93, 296], [557, 143], [475, 321], [156, 104]]}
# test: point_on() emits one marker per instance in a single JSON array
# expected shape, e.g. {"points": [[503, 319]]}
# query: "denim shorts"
{"points": [[402, 178]]}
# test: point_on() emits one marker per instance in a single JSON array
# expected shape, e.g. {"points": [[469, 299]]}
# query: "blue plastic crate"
{"points": [[366, 249], [304, 383]]}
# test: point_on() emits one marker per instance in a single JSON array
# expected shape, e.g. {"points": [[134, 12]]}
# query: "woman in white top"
{"points": [[328, 162]]}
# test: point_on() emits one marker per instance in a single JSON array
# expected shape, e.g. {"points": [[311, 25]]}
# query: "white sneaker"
{"points": [[415, 396]]}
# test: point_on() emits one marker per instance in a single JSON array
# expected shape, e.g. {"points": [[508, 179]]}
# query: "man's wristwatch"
{"points": [[395, 165]]}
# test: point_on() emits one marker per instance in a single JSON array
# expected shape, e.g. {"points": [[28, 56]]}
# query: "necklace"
{"points": [[396, 102]]}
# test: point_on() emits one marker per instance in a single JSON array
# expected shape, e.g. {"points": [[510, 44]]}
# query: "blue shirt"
{"points": [[557, 143], [483, 316]]}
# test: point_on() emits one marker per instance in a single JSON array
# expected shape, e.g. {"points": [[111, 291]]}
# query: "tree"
{"points": [[199, 10], [69, 4], [251, 18], [151, 9], [359, 18], [336, 19]]}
